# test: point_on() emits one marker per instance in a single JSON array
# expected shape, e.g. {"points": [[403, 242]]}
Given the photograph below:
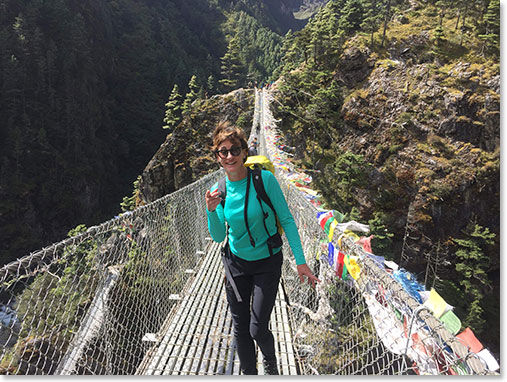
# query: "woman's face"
{"points": [[231, 156]]}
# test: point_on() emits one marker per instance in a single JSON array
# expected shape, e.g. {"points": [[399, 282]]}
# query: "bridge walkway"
{"points": [[197, 337]]}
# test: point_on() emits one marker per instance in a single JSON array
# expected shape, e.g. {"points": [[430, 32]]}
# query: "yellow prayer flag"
{"points": [[435, 303], [334, 223], [352, 266], [352, 235], [340, 241]]}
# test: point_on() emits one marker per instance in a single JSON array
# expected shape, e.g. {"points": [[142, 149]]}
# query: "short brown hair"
{"points": [[224, 131]]}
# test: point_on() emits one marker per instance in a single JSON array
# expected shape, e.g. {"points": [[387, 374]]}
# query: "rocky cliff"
{"points": [[432, 132], [185, 155]]}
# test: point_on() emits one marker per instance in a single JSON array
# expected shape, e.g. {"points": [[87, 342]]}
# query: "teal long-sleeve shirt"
{"points": [[239, 240]]}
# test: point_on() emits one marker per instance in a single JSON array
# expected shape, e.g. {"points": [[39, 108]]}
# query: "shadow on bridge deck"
{"points": [[197, 337]]}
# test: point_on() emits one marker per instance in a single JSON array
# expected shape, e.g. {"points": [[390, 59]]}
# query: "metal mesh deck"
{"points": [[197, 338]]}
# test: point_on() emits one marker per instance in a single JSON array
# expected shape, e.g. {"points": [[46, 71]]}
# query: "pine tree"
{"points": [[463, 8], [318, 37], [325, 36], [326, 105], [372, 18], [201, 93], [491, 37], [342, 179], [129, 203], [383, 238], [290, 58], [352, 16], [473, 263], [336, 7], [302, 44], [387, 16], [443, 6], [211, 85], [192, 95], [173, 109], [438, 35], [233, 69]]}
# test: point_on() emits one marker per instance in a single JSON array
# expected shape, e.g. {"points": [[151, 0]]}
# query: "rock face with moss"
{"points": [[185, 155], [432, 132]]}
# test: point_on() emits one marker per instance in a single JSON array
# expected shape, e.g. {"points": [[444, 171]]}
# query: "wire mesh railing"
{"points": [[84, 305]]}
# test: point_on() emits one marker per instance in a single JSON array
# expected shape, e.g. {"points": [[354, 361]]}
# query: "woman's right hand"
{"points": [[213, 199], [304, 270]]}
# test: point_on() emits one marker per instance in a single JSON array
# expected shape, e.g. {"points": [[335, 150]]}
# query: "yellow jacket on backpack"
{"points": [[260, 160]]}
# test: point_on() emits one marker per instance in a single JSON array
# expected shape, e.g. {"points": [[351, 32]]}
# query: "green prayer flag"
{"points": [[345, 276], [338, 216], [451, 322]]}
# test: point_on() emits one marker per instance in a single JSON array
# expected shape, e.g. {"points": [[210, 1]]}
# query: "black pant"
{"points": [[257, 283]]}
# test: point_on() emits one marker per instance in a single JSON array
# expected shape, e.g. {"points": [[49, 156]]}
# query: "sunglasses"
{"points": [[224, 153]]}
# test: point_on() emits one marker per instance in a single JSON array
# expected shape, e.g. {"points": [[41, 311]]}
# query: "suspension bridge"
{"points": [[143, 294]]}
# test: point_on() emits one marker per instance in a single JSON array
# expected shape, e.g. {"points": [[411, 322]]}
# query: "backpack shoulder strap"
{"points": [[223, 190], [259, 187], [262, 194]]}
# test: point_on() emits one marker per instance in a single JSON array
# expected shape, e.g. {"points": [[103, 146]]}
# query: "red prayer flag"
{"points": [[469, 339], [339, 264], [366, 243]]}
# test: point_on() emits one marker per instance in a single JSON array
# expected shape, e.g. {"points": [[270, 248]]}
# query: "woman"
{"points": [[252, 273]]}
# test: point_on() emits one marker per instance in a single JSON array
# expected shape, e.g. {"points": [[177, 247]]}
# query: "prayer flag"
{"points": [[436, 303], [366, 243], [334, 223], [486, 355], [451, 322], [338, 216], [322, 217], [469, 339], [339, 264], [353, 226], [345, 275], [352, 266], [378, 259], [330, 253], [391, 264], [328, 225], [351, 234]]}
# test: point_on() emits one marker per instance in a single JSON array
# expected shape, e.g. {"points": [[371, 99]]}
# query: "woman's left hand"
{"points": [[304, 270]]}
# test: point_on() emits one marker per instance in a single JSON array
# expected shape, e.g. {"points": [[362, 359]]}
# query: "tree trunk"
{"points": [[388, 10], [464, 15]]}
